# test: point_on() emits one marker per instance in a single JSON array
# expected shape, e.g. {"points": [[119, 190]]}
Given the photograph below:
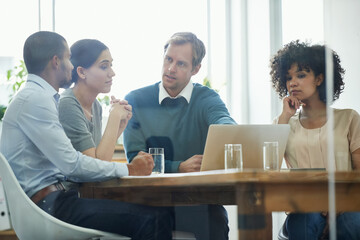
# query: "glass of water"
{"points": [[159, 160], [271, 156], [233, 157]]}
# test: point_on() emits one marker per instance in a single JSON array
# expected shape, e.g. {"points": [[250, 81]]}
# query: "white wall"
{"points": [[345, 40]]}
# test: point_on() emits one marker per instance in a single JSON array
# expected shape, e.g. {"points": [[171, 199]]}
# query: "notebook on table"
{"points": [[252, 138]]}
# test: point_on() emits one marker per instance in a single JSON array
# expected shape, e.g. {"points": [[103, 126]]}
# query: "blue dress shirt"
{"points": [[36, 146]]}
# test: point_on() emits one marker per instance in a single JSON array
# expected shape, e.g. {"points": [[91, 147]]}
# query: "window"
{"points": [[134, 31]]}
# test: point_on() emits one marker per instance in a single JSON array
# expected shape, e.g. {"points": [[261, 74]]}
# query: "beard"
{"points": [[65, 84]]}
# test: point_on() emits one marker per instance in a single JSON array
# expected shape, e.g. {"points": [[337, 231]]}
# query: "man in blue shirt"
{"points": [[175, 114], [45, 163]]}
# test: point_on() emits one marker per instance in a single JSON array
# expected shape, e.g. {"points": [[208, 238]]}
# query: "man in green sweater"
{"points": [[175, 114]]}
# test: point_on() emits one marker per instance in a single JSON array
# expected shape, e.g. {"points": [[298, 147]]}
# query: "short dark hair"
{"points": [[198, 47], [84, 53], [40, 48], [307, 57]]}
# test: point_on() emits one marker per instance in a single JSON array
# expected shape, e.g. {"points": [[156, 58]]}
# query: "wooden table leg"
{"points": [[253, 222]]}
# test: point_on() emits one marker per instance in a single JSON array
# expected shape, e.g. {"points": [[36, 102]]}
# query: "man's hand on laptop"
{"points": [[141, 165], [192, 164]]}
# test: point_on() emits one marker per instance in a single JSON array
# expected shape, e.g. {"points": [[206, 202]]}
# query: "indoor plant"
{"points": [[16, 77]]}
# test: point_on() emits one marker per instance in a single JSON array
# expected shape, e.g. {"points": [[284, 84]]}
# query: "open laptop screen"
{"points": [[252, 138]]}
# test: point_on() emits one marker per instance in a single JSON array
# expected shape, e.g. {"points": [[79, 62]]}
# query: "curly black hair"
{"points": [[307, 57]]}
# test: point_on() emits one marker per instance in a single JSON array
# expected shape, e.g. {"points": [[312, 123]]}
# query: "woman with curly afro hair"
{"points": [[298, 75]]}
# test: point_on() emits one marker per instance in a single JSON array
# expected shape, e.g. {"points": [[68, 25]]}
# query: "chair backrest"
{"points": [[30, 222]]}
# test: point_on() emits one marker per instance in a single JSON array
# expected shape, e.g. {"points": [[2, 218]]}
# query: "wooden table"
{"points": [[8, 235], [256, 193]]}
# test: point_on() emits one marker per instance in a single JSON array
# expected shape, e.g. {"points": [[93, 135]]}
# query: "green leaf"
{"points": [[16, 76], [9, 74], [207, 83], [105, 100], [2, 111]]}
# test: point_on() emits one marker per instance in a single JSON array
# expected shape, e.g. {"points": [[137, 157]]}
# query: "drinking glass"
{"points": [[271, 156], [159, 160], [233, 157]]}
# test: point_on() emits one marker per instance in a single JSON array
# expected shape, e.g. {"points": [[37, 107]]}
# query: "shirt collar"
{"points": [[186, 92], [42, 83], [45, 85]]}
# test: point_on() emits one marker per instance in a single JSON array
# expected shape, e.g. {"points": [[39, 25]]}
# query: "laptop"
{"points": [[252, 138]]}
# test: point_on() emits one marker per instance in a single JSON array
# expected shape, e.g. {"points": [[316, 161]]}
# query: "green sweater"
{"points": [[178, 127]]}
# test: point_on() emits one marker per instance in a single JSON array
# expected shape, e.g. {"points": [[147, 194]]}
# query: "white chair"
{"points": [[283, 235], [30, 222]]}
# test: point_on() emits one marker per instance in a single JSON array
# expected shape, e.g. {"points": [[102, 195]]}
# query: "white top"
{"points": [[307, 148], [186, 92]]}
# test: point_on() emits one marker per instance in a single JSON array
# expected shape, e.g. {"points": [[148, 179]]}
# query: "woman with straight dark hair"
{"points": [[80, 112]]}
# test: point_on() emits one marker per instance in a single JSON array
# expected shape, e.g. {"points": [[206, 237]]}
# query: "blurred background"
{"points": [[240, 37]]}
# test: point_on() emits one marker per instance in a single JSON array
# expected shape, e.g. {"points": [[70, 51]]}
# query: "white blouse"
{"points": [[307, 148]]}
